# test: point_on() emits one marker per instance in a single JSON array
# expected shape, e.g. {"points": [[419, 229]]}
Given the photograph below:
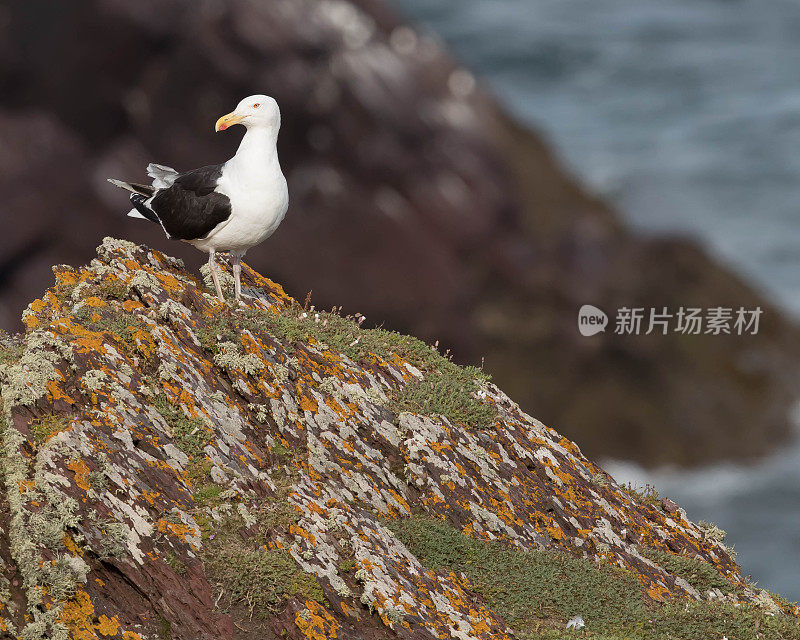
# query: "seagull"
{"points": [[223, 207]]}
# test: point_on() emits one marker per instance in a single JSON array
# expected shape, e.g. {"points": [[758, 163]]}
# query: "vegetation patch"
{"points": [[447, 389], [529, 589], [208, 494], [164, 629], [262, 579], [647, 494], [342, 333], [45, 427], [238, 550], [190, 435], [120, 324], [698, 573], [451, 394], [106, 289], [347, 566], [10, 348], [178, 566], [538, 591]]}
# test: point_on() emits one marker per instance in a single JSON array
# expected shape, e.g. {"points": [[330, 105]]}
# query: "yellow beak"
{"points": [[228, 120]]}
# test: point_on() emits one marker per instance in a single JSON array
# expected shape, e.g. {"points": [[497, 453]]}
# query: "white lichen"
{"points": [[94, 379], [231, 357], [25, 381], [394, 614], [114, 245], [171, 310], [225, 279], [144, 281]]}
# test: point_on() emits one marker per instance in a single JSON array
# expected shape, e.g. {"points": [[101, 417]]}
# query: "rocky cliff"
{"points": [[415, 200], [177, 468]]}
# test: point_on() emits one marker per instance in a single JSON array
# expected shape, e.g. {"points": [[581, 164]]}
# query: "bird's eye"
{"points": [[256, 105]]}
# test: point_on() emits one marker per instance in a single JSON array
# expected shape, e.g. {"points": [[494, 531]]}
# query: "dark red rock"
{"points": [[669, 506]]}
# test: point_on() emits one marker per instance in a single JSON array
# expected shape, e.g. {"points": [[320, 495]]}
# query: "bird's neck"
{"points": [[257, 152]]}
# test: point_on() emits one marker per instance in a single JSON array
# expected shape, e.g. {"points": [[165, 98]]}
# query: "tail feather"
{"points": [[162, 176], [141, 189], [139, 203]]}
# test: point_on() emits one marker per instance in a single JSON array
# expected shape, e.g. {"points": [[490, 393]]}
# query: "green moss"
{"points": [[208, 494], [281, 451], [280, 515], [110, 289], [44, 427], [164, 629], [538, 591], [221, 329], [107, 289], [346, 566], [450, 393], [447, 389], [712, 621], [120, 324], [262, 579], [343, 333], [247, 571], [190, 435], [698, 573], [176, 563], [527, 588]]}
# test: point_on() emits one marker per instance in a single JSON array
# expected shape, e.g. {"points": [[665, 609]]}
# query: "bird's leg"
{"points": [[237, 276], [212, 266]]}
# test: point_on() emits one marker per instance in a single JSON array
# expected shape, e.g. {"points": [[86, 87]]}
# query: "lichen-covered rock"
{"points": [[173, 467]]}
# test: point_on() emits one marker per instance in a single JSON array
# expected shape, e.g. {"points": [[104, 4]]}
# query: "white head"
{"points": [[254, 111]]}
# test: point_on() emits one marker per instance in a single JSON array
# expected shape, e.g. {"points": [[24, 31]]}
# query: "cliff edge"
{"points": [[178, 468]]}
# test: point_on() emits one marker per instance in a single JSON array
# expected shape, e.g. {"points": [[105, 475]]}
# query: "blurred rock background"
{"points": [[415, 200]]}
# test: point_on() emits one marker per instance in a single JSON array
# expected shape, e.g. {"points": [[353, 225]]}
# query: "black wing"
{"points": [[190, 208]]}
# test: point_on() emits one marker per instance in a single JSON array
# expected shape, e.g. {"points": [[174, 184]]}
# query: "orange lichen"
{"points": [[299, 531], [107, 626], [316, 623], [77, 615], [307, 403], [658, 592], [177, 529], [130, 305], [81, 470], [70, 545]]}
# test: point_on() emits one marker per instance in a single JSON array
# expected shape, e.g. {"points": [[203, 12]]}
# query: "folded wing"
{"points": [[186, 205]]}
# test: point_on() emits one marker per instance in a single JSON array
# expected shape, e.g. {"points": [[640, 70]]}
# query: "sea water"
{"points": [[686, 115]]}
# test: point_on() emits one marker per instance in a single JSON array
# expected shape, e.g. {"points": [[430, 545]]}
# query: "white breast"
{"points": [[258, 205]]}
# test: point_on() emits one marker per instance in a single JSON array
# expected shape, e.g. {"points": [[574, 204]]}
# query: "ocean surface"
{"points": [[686, 115]]}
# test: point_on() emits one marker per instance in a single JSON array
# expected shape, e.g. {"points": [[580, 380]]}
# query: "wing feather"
{"points": [[190, 208]]}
